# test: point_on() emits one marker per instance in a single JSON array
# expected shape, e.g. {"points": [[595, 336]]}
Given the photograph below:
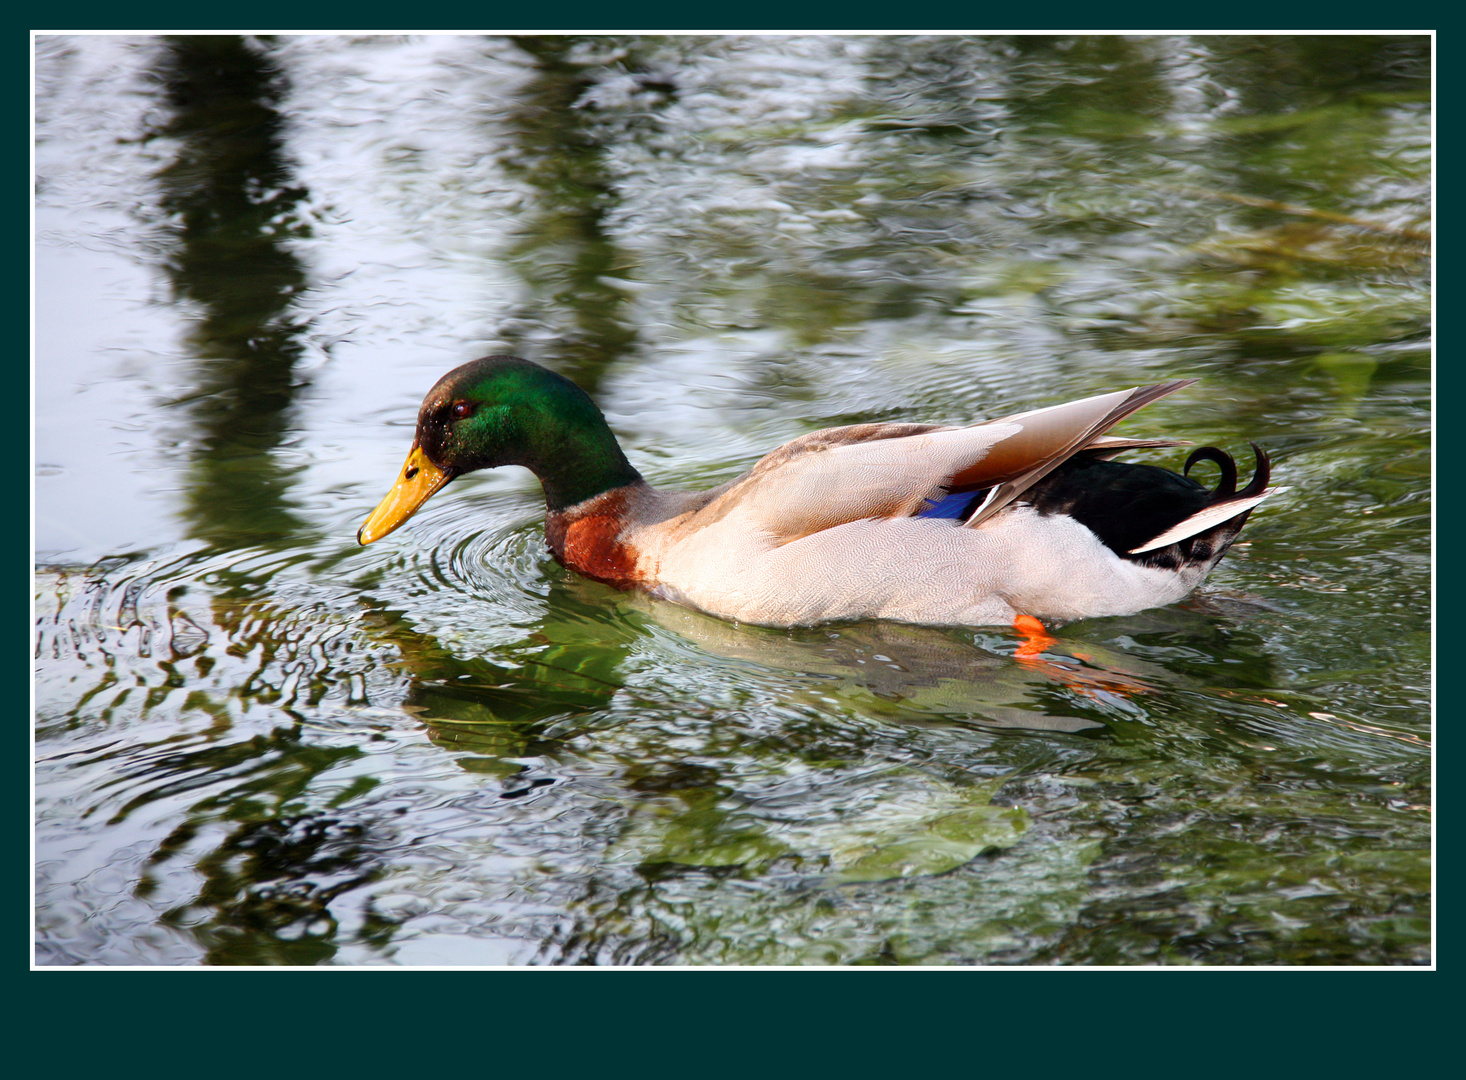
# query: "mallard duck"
{"points": [[1010, 520]]}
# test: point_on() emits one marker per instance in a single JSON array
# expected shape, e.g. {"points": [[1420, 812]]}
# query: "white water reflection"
{"points": [[105, 342]]}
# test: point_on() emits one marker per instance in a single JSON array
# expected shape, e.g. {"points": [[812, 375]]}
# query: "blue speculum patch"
{"points": [[958, 505]]}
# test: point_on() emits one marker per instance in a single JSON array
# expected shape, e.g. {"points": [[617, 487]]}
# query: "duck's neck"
{"points": [[589, 484], [579, 460]]}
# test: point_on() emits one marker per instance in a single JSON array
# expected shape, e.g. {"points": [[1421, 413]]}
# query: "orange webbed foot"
{"points": [[1035, 638]]}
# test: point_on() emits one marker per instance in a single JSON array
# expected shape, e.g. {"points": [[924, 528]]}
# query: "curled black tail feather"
{"points": [[1260, 475], [1226, 489], [1227, 485]]}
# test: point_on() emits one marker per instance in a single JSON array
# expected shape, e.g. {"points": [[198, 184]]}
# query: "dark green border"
{"points": [[859, 1021]]}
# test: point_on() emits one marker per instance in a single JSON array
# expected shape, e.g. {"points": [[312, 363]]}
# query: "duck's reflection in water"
{"points": [[899, 670]]}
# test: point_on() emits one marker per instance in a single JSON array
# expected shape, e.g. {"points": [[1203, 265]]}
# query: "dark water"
{"points": [[258, 743]]}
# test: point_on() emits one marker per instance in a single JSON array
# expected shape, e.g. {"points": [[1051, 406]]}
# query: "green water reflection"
{"points": [[259, 744], [229, 200]]}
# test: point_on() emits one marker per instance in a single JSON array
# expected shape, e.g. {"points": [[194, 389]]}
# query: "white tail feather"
{"points": [[1202, 520]]}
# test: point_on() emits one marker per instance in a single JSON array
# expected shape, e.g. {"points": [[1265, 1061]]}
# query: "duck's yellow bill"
{"points": [[419, 479]]}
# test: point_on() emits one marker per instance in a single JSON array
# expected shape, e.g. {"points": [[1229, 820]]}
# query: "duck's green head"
{"points": [[502, 410]]}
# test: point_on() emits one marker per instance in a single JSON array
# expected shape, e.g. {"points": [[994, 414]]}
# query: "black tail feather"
{"points": [[1226, 489], [1227, 485], [1260, 475]]}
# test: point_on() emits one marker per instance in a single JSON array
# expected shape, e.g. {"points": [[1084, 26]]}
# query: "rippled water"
{"points": [[258, 743]]}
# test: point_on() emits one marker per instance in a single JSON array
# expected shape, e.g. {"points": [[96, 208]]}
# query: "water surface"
{"points": [[258, 743]]}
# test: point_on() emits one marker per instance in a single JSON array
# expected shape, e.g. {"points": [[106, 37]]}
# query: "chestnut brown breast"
{"points": [[587, 540]]}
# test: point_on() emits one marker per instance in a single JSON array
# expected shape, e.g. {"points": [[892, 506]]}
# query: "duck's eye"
{"points": [[461, 409]]}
